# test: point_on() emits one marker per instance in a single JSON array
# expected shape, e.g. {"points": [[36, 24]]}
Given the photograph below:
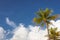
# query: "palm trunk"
{"points": [[54, 38], [48, 31]]}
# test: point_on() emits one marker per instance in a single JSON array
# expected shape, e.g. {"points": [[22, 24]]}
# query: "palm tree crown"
{"points": [[44, 16], [54, 34]]}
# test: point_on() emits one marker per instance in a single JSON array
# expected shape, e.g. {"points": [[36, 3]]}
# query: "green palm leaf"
{"points": [[47, 12], [37, 20], [52, 17], [40, 13]]}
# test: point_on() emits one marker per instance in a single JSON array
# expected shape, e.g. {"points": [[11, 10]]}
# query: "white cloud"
{"points": [[20, 33], [11, 23], [36, 34], [31, 33], [55, 24], [2, 34]]}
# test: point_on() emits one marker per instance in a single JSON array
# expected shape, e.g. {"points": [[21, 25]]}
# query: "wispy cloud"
{"points": [[11, 23]]}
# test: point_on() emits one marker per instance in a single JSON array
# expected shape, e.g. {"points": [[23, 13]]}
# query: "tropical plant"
{"points": [[54, 34], [43, 17]]}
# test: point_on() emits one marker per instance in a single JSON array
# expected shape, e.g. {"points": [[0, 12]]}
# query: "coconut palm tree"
{"points": [[54, 34], [43, 17]]}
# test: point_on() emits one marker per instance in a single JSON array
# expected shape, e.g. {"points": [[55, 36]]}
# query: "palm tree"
{"points": [[43, 17], [54, 34]]}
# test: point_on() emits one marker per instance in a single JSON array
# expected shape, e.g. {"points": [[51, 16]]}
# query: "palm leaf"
{"points": [[52, 17], [40, 13], [47, 12], [37, 20], [54, 33]]}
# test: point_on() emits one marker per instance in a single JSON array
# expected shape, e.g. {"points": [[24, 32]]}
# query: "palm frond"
{"points": [[52, 17], [37, 20], [47, 12], [40, 13], [54, 33]]}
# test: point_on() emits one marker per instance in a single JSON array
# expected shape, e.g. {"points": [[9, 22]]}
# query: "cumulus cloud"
{"points": [[30, 33], [2, 34], [55, 24], [11, 23], [36, 34], [20, 33]]}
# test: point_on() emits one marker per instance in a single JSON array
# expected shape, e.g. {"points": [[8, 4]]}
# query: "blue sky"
{"points": [[23, 11]]}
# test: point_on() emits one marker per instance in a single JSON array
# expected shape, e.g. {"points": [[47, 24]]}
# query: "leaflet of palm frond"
{"points": [[51, 36], [52, 17], [47, 12], [37, 20], [40, 13], [57, 34], [53, 31]]}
